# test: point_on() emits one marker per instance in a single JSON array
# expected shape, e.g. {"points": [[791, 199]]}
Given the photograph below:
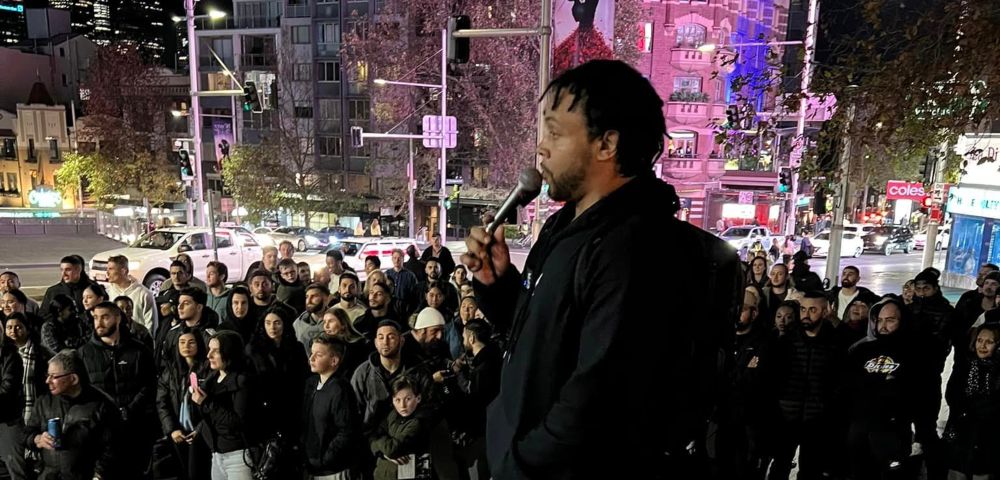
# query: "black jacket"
{"points": [[479, 382], [12, 383], [125, 372], [74, 290], [576, 376], [171, 334], [367, 323], [90, 425], [973, 396], [416, 266], [806, 280], [751, 396], [227, 412], [58, 336], [933, 316], [331, 433], [445, 260], [291, 294], [172, 388], [809, 372], [281, 373]]}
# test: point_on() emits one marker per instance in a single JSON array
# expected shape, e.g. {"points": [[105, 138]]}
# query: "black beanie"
{"points": [[929, 275]]}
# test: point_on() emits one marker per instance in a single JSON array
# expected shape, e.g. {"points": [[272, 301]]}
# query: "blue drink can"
{"points": [[55, 430]]}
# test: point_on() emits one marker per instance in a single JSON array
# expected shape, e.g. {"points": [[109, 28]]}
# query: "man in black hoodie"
{"points": [[575, 376], [884, 376], [123, 368], [932, 316], [74, 282]]}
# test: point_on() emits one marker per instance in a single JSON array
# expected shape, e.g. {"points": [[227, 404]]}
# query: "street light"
{"points": [[178, 113], [382, 81], [213, 14]]}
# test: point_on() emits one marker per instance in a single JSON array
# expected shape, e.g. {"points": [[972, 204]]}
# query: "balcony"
{"points": [[258, 61], [689, 97], [763, 164], [693, 167], [690, 58], [328, 49], [230, 23], [298, 11]]}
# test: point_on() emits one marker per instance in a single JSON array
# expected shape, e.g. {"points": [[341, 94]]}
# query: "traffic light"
{"points": [[785, 180], [251, 99], [357, 140], [926, 204], [732, 117], [819, 203], [458, 48], [184, 162]]}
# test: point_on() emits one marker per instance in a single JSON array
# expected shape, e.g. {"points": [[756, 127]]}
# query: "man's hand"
{"points": [[488, 258], [400, 461], [177, 436], [45, 441]]}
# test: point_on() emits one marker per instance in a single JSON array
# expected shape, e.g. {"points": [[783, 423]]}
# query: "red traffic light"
{"points": [[928, 202]]}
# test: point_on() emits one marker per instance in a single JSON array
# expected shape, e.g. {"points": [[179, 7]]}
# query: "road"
{"points": [[884, 274]]}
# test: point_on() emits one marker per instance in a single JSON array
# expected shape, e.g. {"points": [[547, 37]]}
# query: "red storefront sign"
{"points": [[898, 190]]}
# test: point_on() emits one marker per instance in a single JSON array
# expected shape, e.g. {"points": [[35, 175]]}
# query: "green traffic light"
{"points": [[246, 107]]}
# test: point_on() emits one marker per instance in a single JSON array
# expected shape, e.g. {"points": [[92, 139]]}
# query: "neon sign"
{"points": [[44, 198], [12, 8]]}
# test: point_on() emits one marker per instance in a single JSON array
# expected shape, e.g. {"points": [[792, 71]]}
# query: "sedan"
{"points": [[850, 246], [303, 238], [943, 236], [336, 232]]}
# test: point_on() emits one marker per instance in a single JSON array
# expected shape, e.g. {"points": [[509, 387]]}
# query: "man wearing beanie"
{"points": [[931, 314]]}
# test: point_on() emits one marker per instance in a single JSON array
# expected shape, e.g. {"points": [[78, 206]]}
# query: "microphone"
{"points": [[529, 185]]}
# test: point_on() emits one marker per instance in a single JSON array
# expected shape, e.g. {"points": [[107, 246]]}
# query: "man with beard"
{"points": [[746, 413], [379, 308], [260, 290], [10, 281], [931, 315], [441, 254], [167, 299], [268, 264], [848, 290], [348, 290], [428, 335], [808, 366], [291, 292], [984, 270], [884, 376], [122, 367], [778, 289], [74, 282], [478, 379], [372, 381], [404, 281], [433, 270], [310, 323]]}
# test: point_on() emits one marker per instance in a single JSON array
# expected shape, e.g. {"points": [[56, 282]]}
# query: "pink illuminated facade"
{"points": [[693, 80]]}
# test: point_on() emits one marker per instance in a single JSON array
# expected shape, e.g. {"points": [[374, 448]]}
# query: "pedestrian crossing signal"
{"points": [[184, 162], [785, 181], [251, 98]]}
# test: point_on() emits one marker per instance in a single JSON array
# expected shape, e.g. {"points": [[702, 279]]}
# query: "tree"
{"points": [[125, 116], [494, 97]]}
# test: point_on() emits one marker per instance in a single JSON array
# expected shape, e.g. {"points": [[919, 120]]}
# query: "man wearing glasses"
{"points": [[86, 419]]}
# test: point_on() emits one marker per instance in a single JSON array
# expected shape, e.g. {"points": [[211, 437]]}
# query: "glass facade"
{"points": [[968, 242]]}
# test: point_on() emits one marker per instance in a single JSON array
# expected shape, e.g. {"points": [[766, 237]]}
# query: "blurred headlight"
{"points": [[133, 265]]}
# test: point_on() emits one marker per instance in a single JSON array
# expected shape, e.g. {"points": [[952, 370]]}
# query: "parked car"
{"points": [[851, 245], [356, 249], [336, 232], [941, 241], [861, 230], [890, 238], [303, 238], [150, 256], [742, 238], [263, 235]]}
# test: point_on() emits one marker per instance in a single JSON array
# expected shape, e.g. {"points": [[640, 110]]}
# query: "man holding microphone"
{"points": [[596, 375]]}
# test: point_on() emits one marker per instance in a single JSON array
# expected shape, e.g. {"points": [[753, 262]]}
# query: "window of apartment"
{"points": [[691, 35], [358, 109], [683, 144], [724, 37], [302, 72], [65, 83], [31, 150], [62, 52], [328, 33], [257, 121], [687, 84], [646, 40], [329, 108], [53, 150], [357, 28], [303, 111], [331, 146], [329, 72], [300, 34], [12, 182], [8, 148]]}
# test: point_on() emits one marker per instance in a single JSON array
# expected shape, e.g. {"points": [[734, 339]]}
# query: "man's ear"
{"points": [[609, 146]]}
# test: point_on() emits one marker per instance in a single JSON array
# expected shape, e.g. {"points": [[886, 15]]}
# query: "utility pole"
{"points": [[840, 204], [411, 186], [195, 111], [800, 128], [443, 217]]}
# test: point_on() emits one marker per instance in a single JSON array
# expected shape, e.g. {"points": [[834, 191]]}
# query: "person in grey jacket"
{"points": [[372, 381]]}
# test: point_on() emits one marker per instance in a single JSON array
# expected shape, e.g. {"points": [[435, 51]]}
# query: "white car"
{"points": [[941, 241], [859, 229], [851, 245], [742, 238], [150, 256], [356, 249]]}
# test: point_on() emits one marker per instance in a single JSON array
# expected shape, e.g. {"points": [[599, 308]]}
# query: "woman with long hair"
{"points": [[64, 329], [757, 276], [282, 367], [338, 325], [973, 396], [225, 401], [177, 412]]}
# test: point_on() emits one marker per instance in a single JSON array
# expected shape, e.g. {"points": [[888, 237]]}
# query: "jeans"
{"points": [[230, 466], [12, 451]]}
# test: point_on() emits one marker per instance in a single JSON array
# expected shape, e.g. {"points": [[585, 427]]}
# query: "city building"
{"points": [[688, 49], [11, 21], [141, 22]]}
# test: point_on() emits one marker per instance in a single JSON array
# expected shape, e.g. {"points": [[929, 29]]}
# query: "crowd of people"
{"points": [[852, 380], [283, 374]]}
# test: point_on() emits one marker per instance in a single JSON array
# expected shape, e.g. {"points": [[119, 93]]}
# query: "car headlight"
{"points": [[735, 242], [133, 265], [878, 239], [312, 239]]}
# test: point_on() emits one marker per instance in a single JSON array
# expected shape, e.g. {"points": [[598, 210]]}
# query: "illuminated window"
{"points": [[687, 84], [691, 35]]}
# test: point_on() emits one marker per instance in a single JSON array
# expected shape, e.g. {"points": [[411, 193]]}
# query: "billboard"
{"points": [[900, 190], [223, 130], [582, 30]]}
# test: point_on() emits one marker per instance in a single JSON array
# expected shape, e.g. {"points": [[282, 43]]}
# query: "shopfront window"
{"points": [[966, 243]]}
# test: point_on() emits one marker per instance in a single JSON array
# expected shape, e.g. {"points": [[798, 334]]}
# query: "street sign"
{"points": [[432, 126], [746, 197], [454, 181]]}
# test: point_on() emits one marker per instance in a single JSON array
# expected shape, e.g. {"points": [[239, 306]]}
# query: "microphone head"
{"points": [[530, 184]]}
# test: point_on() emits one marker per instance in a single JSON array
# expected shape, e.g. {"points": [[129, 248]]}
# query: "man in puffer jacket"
{"points": [[884, 376]]}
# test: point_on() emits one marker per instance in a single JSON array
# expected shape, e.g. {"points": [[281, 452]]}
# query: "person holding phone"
{"points": [[177, 412]]}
